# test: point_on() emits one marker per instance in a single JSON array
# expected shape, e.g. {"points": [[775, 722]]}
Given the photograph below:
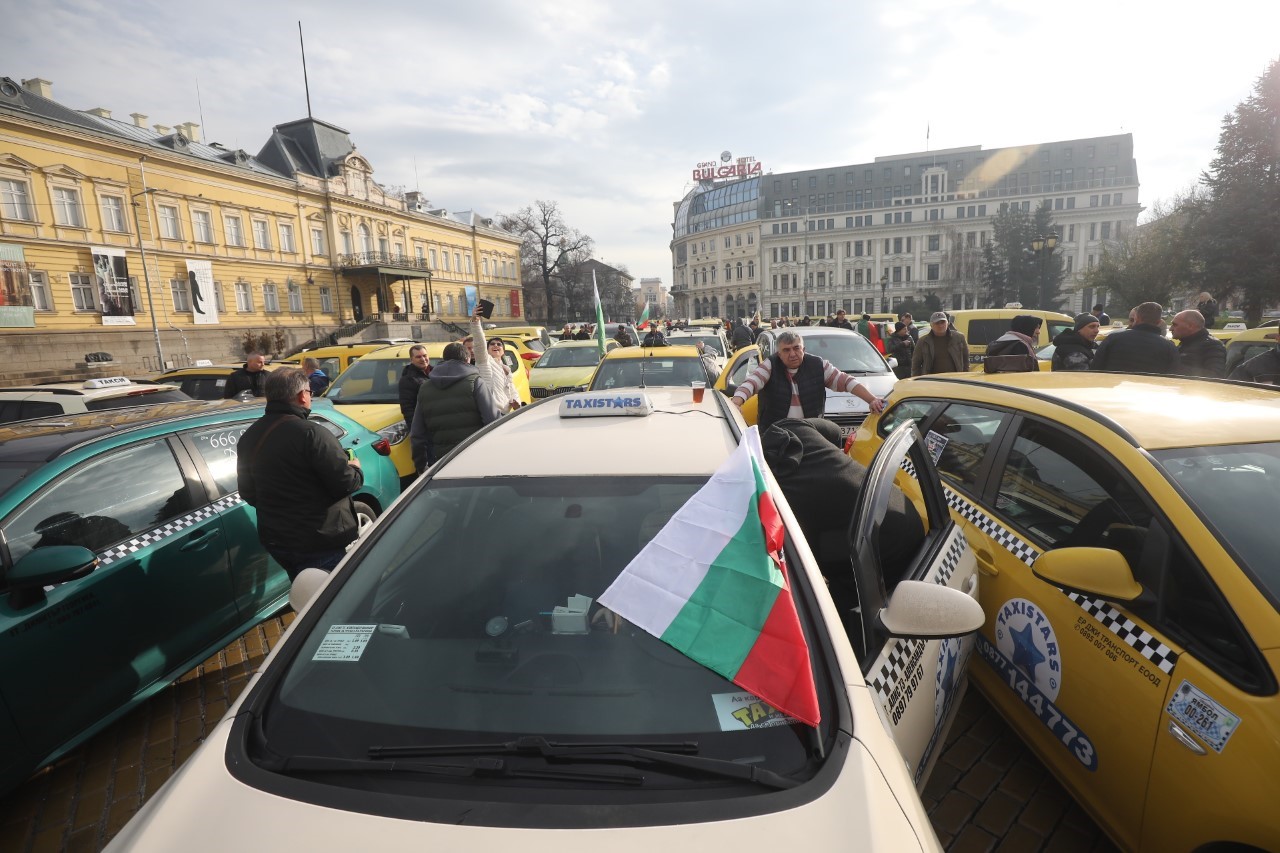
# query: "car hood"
{"points": [[879, 384], [860, 811], [546, 377]]}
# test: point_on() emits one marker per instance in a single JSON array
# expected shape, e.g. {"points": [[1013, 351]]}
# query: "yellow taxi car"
{"points": [[333, 359], [566, 367], [1245, 345], [529, 346], [368, 392], [1130, 581], [634, 367], [205, 381], [981, 326]]}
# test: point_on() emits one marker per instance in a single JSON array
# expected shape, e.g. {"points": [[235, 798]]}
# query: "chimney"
{"points": [[139, 120], [190, 130], [43, 88], [161, 129], [100, 112]]}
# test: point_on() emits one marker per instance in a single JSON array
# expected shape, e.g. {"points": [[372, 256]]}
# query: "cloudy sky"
{"points": [[605, 107]]}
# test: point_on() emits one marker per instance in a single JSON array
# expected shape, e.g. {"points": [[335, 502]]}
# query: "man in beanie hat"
{"points": [[1015, 350], [1073, 348]]}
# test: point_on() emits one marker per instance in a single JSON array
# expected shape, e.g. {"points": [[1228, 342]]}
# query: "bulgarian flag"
{"points": [[644, 315], [595, 289], [712, 584]]}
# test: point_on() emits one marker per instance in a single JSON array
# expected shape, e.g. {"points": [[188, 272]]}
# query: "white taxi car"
{"points": [[91, 395], [455, 684]]}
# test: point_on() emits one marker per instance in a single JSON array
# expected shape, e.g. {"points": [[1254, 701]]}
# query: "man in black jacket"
{"points": [[411, 379], [1143, 348], [251, 377], [1073, 348], [1199, 353], [298, 477]]}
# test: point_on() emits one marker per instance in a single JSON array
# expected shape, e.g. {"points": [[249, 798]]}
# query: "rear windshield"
{"points": [[570, 357], [650, 372], [370, 380]]}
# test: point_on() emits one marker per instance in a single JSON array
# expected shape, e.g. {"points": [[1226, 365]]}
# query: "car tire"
{"points": [[365, 515]]}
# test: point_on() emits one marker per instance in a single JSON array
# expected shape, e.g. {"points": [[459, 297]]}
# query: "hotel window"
{"points": [[270, 300], [484, 267], [217, 298], [317, 241], [1093, 231], [1117, 198], [934, 243], [1106, 231], [469, 267], [181, 294], [457, 261], [261, 237], [244, 297], [286, 237], [235, 230], [751, 237], [347, 248], [82, 298], [295, 297], [66, 207], [444, 260], [932, 272], [112, 213], [202, 225], [419, 253], [433, 266], [15, 201], [170, 228], [39, 291], [1071, 233], [326, 301]]}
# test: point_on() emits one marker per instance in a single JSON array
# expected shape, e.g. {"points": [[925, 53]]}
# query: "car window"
{"points": [[218, 447], [651, 372], [1239, 353], [20, 410], [1057, 327], [1064, 493], [907, 410], [108, 499], [850, 353], [331, 366], [145, 398], [742, 369], [966, 433], [370, 380], [570, 357]]}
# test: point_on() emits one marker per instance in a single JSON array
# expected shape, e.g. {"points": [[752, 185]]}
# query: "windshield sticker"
{"points": [[1196, 710], [738, 712], [935, 443], [1076, 741], [344, 642], [1115, 651]]}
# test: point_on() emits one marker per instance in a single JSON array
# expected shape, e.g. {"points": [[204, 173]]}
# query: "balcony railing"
{"points": [[384, 259]]}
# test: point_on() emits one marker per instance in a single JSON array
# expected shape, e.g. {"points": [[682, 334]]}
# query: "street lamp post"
{"points": [[1043, 246], [884, 290], [146, 276]]}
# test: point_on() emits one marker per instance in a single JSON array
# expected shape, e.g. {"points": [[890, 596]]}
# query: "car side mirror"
{"points": [[304, 588], [44, 566], [1100, 572], [920, 610]]}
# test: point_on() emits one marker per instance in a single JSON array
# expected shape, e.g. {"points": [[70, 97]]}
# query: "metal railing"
{"points": [[384, 259]]}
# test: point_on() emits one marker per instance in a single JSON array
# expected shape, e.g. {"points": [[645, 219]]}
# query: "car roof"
{"points": [[1260, 333], [43, 439], [571, 446], [811, 331], [79, 388], [1010, 313], [335, 349], [1156, 412], [652, 352], [211, 370]]}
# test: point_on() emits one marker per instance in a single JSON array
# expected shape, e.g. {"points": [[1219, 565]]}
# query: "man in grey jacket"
{"points": [[454, 402]]}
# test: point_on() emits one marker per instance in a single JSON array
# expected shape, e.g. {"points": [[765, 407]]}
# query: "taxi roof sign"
{"points": [[596, 404], [106, 382]]}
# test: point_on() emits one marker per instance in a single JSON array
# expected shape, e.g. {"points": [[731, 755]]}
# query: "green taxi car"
{"points": [[126, 558]]}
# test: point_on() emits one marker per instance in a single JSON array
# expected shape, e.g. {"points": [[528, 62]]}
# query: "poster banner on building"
{"points": [[204, 307], [472, 298], [515, 303], [111, 274], [16, 303]]}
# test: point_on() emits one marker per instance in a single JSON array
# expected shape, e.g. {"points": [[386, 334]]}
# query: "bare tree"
{"points": [[547, 246]]}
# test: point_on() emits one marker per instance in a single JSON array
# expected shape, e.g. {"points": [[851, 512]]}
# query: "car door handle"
{"points": [[986, 563], [1185, 739], [200, 540]]}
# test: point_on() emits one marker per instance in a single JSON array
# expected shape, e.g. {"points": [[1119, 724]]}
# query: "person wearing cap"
{"points": [[841, 321], [792, 384], [1020, 341], [900, 345], [1073, 348], [943, 350]]}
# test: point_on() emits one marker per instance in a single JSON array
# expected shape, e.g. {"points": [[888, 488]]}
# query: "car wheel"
{"points": [[365, 515]]}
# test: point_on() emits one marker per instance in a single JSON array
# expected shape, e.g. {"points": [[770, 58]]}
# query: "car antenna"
{"points": [[642, 361]]}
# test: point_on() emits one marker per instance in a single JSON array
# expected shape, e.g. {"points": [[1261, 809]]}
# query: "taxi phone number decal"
{"points": [[1076, 742]]}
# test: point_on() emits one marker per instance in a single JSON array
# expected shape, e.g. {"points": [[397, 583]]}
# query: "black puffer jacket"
{"points": [[295, 473], [1142, 349], [411, 379], [1201, 354], [1072, 351], [241, 379]]}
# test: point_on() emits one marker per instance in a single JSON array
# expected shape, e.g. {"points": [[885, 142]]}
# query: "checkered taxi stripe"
{"points": [[169, 528], [903, 654], [1136, 637]]}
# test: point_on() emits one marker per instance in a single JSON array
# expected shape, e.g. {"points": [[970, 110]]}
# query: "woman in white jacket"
{"points": [[489, 363]]}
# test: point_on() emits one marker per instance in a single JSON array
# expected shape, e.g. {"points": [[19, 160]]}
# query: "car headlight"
{"points": [[395, 433]]}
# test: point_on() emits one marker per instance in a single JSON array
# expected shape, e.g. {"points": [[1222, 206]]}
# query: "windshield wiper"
{"points": [[673, 754], [474, 767]]}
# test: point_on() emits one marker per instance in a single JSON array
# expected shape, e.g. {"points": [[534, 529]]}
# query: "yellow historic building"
{"points": [[148, 244]]}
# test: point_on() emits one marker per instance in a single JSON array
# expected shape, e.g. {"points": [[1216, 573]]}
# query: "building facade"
{"points": [[867, 237], [145, 243], [653, 292]]}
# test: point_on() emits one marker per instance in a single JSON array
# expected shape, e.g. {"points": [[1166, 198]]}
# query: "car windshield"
{"points": [[649, 372], [714, 346], [370, 380], [850, 353], [453, 629], [1228, 485], [570, 357]]}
